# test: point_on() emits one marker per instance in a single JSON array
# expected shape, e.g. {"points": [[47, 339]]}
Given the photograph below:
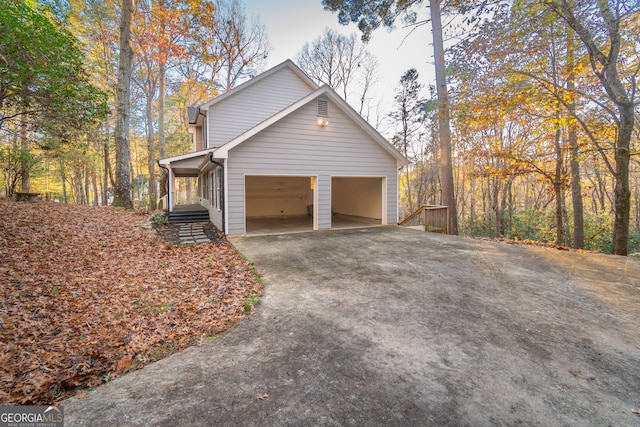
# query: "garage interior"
{"points": [[356, 202], [284, 204], [278, 204]]}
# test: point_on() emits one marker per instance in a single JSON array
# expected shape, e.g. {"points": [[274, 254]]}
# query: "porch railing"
{"points": [[432, 217], [163, 202]]}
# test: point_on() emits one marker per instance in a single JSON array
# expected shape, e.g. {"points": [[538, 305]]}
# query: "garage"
{"points": [[357, 201], [297, 159], [279, 204]]}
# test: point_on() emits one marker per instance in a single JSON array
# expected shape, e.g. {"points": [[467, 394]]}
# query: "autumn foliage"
{"points": [[91, 292]]}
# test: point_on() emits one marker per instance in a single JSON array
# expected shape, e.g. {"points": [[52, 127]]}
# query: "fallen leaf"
{"points": [[124, 364], [109, 286], [262, 396]]}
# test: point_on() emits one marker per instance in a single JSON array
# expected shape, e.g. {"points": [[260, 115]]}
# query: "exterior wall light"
{"points": [[323, 122]]}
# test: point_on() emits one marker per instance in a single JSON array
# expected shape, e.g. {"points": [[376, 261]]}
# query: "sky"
{"points": [[292, 23]]}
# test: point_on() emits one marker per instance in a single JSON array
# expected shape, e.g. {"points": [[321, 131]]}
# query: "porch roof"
{"points": [[186, 165]]}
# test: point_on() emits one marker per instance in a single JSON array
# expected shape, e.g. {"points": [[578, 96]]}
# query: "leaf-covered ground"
{"points": [[89, 293]]}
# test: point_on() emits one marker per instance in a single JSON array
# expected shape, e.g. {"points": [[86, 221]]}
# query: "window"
{"points": [[205, 186], [214, 202], [216, 188]]}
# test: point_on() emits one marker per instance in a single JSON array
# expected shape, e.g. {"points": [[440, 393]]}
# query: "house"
{"points": [[280, 151]]}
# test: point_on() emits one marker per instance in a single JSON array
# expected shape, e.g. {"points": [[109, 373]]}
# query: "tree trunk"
{"points": [[122, 196], [622, 191], [24, 144], [496, 206], [574, 163], [605, 67], [12, 173], [94, 182], [151, 158], [510, 209], [504, 205], [132, 184], [637, 199], [600, 190], [108, 179], [446, 166], [162, 83], [557, 184], [472, 202], [63, 178], [87, 185]]}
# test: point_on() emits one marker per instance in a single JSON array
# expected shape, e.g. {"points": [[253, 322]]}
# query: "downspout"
{"points": [[221, 191], [168, 193]]}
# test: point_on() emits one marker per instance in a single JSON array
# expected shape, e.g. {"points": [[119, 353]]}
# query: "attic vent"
{"points": [[323, 108]]}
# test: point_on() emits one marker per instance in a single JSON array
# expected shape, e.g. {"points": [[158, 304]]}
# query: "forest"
{"points": [[533, 114]]}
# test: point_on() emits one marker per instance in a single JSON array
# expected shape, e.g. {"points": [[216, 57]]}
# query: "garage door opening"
{"points": [[356, 202], [279, 204]]}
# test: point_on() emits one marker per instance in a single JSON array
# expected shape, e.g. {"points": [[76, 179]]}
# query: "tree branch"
{"points": [[583, 125]]}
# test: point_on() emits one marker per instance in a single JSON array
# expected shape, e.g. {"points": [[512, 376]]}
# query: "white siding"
{"points": [[297, 145], [215, 214], [245, 109]]}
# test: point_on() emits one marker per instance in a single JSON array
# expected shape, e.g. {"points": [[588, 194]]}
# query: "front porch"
{"points": [[183, 179]]}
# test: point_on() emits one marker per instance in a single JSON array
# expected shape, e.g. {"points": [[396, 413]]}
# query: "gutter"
{"points": [[222, 206], [168, 193]]}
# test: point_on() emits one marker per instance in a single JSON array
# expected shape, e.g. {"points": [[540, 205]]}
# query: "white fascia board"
{"points": [[223, 151], [207, 162], [169, 160], [288, 63]]}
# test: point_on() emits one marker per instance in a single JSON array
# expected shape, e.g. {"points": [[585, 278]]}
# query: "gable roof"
{"points": [[286, 64], [222, 152]]}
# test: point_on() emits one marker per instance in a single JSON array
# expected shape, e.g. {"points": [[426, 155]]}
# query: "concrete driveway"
{"points": [[391, 326]]}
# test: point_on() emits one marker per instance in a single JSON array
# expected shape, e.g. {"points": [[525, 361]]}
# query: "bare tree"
{"points": [[341, 62], [409, 117], [368, 78], [242, 47]]}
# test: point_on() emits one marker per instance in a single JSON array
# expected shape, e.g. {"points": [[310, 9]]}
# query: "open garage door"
{"points": [[356, 201], [278, 204]]}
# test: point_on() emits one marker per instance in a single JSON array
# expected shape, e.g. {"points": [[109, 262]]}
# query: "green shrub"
{"points": [[533, 224], [158, 219], [598, 232], [634, 244]]}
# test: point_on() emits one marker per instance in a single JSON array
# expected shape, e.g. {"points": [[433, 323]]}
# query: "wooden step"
{"points": [[188, 216]]}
